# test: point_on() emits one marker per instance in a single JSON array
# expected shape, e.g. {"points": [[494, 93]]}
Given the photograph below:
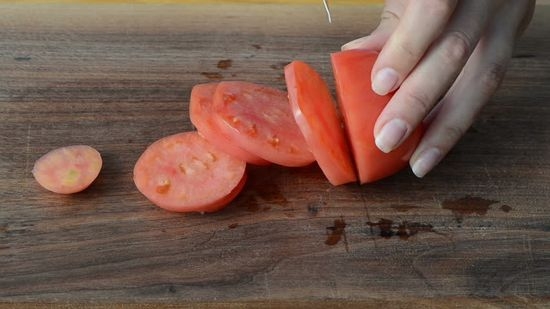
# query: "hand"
{"points": [[446, 59]]}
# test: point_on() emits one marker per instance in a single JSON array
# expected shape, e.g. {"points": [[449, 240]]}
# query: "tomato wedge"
{"points": [[316, 115], [186, 173], [258, 119], [68, 169], [361, 107], [200, 112]]}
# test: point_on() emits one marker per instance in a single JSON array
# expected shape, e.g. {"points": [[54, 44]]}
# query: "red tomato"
{"points": [[185, 173], [258, 119], [316, 115], [200, 112], [361, 107], [68, 169]]}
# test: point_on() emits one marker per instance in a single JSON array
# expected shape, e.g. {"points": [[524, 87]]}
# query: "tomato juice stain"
{"points": [[385, 226], [336, 233], [404, 230], [225, 64], [468, 206], [212, 75]]}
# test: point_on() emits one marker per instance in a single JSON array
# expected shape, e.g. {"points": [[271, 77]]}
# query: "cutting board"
{"points": [[474, 232]]}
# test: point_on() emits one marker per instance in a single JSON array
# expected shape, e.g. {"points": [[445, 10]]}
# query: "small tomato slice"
{"points": [[200, 113], [186, 173], [361, 107], [259, 119], [68, 169], [316, 115]]}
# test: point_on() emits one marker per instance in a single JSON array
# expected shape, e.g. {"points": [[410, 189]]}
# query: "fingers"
{"points": [[420, 25], [389, 20], [481, 76], [434, 75]]}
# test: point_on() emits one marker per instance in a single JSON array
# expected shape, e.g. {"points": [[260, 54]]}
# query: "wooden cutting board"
{"points": [[475, 232]]}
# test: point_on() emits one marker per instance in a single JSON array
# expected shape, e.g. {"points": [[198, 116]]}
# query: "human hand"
{"points": [[445, 59]]}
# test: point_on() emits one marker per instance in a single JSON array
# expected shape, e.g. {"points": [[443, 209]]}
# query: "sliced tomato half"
{"points": [[316, 115], [361, 107]]}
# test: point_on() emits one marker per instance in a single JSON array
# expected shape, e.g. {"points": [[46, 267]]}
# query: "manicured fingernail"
{"points": [[426, 162], [354, 44], [384, 81], [391, 135]]}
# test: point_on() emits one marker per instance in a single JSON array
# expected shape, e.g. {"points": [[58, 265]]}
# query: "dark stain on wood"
{"points": [[468, 206], [519, 56], [279, 65], [212, 75], [172, 289], [256, 46], [313, 208], [407, 229], [225, 64], [506, 208], [404, 230], [232, 226], [385, 226], [336, 233], [22, 58]]}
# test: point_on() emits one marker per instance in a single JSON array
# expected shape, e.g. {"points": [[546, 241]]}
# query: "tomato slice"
{"points": [[316, 115], [361, 107], [68, 169], [259, 119], [200, 112], [186, 173]]}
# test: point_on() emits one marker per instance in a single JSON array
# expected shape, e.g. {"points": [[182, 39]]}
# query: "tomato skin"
{"points": [[200, 113], [361, 107], [186, 173], [315, 112], [68, 169], [258, 119]]}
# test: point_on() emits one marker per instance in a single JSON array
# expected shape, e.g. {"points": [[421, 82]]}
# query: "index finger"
{"points": [[420, 25]]}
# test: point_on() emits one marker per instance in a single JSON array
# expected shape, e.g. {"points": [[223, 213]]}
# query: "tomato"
{"points": [[200, 112], [68, 169], [316, 115], [186, 173], [361, 107], [258, 119]]}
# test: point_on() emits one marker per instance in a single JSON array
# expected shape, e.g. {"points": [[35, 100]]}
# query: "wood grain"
{"points": [[474, 233]]}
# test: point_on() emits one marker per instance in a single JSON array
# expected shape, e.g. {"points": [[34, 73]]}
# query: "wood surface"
{"points": [[474, 233]]}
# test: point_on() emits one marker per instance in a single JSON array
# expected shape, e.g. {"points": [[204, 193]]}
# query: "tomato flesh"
{"points": [[186, 173], [200, 112], [316, 115], [361, 107], [68, 169], [258, 119]]}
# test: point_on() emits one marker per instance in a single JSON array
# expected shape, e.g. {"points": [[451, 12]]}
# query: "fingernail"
{"points": [[391, 135], [426, 162], [384, 81], [354, 44]]}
